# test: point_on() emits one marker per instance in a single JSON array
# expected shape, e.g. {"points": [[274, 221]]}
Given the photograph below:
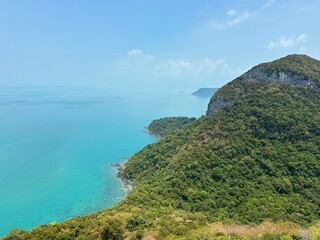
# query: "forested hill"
{"points": [[258, 159], [168, 125], [255, 159], [296, 70]]}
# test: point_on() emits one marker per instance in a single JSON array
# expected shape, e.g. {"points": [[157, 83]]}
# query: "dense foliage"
{"points": [[298, 65], [165, 126], [255, 161], [301, 65]]}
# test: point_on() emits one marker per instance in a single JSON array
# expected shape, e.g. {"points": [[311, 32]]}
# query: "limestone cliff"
{"points": [[297, 70]]}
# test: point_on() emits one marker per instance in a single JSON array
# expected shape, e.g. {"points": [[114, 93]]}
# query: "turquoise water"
{"points": [[57, 146]]}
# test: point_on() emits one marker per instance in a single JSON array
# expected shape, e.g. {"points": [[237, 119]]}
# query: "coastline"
{"points": [[127, 183], [146, 129]]}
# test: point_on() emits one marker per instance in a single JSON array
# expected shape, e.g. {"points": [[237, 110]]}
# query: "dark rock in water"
{"points": [[205, 92], [216, 105], [127, 182]]}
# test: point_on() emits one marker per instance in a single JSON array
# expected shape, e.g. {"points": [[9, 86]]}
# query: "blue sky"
{"points": [[149, 44]]}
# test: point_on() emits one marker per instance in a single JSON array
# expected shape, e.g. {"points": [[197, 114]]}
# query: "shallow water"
{"points": [[57, 146]]}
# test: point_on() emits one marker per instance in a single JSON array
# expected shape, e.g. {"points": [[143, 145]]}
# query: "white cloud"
{"points": [[193, 67], [269, 3], [136, 61], [235, 21], [144, 64], [175, 67], [284, 42], [239, 19], [133, 52], [231, 12], [271, 44], [302, 37], [236, 18]]}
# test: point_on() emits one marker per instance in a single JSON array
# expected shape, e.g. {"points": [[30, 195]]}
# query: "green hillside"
{"points": [[168, 125], [249, 170], [301, 65]]}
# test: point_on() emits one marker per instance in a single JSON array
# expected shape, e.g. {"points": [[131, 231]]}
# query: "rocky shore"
{"points": [[152, 133], [128, 183], [125, 181]]}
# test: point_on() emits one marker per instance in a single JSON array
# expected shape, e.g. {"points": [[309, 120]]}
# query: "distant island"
{"points": [[205, 92]]}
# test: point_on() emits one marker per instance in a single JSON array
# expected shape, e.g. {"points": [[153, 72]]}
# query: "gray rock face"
{"points": [[262, 75], [216, 105]]}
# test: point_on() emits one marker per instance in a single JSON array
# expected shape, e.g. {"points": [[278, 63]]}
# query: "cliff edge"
{"points": [[297, 70]]}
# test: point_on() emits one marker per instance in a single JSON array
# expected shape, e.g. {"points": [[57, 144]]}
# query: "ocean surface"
{"points": [[57, 146]]}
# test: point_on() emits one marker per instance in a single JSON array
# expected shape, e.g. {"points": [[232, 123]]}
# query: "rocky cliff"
{"points": [[297, 70]]}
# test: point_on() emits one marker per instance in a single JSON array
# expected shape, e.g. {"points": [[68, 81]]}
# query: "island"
{"points": [[205, 92]]}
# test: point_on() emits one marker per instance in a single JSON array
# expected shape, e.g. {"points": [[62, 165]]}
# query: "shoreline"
{"points": [[146, 129], [128, 183]]}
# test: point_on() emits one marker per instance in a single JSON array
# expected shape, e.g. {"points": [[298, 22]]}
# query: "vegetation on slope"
{"points": [[301, 65], [257, 160], [168, 125], [252, 171]]}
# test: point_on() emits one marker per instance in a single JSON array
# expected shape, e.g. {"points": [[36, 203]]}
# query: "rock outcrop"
{"points": [[264, 75], [286, 70], [218, 104]]}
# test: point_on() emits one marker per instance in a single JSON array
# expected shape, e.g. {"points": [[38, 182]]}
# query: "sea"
{"points": [[58, 144]]}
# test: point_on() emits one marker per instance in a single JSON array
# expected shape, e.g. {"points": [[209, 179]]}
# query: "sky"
{"points": [[160, 45]]}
